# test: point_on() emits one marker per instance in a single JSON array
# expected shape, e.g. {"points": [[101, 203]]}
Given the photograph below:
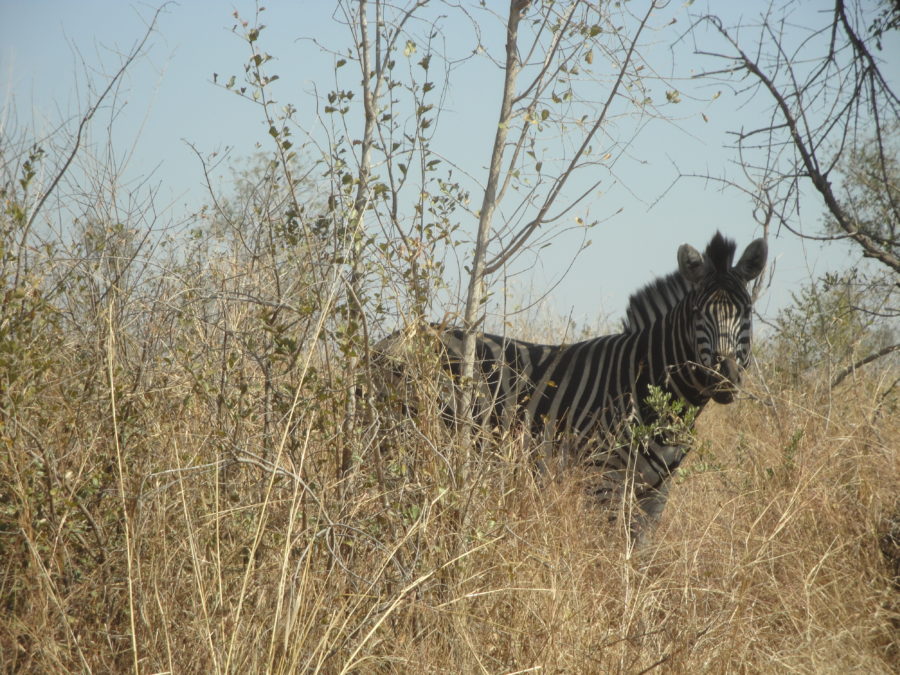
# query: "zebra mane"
{"points": [[659, 297], [719, 254], [653, 301]]}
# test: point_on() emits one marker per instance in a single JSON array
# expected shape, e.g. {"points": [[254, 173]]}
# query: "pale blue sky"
{"points": [[169, 100]]}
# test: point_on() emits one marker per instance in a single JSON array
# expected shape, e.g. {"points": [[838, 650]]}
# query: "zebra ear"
{"points": [[752, 261], [690, 263]]}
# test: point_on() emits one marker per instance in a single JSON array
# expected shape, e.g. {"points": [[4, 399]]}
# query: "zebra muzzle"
{"points": [[727, 379]]}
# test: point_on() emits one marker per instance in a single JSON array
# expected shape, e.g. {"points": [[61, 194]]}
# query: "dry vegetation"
{"points": [[171, 501], [185, 486]]}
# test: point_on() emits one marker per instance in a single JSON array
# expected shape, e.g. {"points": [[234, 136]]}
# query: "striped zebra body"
{"points": [[687, 334]]}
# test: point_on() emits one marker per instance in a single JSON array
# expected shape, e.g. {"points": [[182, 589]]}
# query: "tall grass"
{"points": [[172, 500]]}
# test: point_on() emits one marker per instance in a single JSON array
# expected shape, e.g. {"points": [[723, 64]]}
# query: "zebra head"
{"points": [[721, 310]]}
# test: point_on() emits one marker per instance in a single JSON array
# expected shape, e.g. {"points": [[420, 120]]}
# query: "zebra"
{"points": [[687, 334]]}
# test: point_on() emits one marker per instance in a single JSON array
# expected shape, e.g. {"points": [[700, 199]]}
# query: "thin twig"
{"points": [[80, 131]]}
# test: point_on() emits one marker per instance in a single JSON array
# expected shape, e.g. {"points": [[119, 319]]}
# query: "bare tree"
{"points": [[830, 122], [829, 97], [552, 126]]}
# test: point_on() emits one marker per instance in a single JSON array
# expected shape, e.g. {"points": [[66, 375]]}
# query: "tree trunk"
{"points": [[476, 294]]}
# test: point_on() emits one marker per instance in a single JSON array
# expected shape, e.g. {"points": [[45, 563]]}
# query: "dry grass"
{"points": [[145, 527], [172, 500]]}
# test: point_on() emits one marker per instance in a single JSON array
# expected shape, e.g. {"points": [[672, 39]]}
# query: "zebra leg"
{"points": [[651, 503]]}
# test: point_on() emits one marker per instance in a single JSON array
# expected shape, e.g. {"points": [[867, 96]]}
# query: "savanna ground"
{"points": [[173, 500]]}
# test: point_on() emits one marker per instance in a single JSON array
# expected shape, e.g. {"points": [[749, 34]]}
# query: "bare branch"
{"points": [[525, 233], [859, 364], [805, 145], [82, 125]]}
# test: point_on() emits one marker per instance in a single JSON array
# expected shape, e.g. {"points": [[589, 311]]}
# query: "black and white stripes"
{"points": [[687, 333]]}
